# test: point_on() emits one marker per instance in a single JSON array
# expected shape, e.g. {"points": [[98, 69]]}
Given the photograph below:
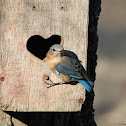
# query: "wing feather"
{"points": [[70, 68]]}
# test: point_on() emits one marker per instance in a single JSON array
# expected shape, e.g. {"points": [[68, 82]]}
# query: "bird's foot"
{"points": [[45, 77], [60, 83], [52, 84], [48, 81]]}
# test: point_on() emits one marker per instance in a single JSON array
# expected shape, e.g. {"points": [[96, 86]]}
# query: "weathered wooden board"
{"points": [[21, 85]]}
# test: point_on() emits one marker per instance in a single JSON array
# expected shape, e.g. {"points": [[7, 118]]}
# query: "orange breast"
{"points": [[52, 61]]}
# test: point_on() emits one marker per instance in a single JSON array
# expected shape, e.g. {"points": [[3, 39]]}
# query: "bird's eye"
{"points": [[54, 50]]}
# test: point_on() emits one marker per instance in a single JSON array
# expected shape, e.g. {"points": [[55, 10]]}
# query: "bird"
{"points": [[66, 65]]}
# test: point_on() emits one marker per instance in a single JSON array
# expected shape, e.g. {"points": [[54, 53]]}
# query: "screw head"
{"points": [[80, 100], [2, 78]]}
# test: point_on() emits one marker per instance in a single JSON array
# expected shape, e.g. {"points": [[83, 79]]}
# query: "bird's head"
{"points": [[55, 50]]}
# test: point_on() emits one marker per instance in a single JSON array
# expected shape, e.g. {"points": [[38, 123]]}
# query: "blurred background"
{"points": [[110, 88]]}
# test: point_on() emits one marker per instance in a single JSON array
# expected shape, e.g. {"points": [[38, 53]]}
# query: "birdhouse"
{"points": [[28, 29]]}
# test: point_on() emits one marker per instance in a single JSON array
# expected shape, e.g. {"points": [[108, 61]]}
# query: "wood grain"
{"points": [[23, 88]]}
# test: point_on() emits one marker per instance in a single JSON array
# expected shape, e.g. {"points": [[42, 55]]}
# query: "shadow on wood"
{"points": [[46, 118], [57, 118]]}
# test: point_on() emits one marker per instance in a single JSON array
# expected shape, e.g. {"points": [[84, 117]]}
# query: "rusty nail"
{"points": [[2, 78], [80, 100]]}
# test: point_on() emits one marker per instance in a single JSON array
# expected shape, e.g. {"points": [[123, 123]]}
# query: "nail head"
{"points": [[2, 78], [80, 100]]}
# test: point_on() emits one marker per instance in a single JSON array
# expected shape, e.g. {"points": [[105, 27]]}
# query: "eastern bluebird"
{"points": [[67, 66]]}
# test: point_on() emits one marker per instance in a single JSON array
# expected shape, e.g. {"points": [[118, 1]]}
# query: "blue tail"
{"points": [[87, 84]]}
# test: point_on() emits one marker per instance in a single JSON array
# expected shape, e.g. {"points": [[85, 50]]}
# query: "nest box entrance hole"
{"points": [[39, 46]]}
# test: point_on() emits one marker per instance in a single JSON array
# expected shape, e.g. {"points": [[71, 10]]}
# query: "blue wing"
{"points": [[70, 68]]}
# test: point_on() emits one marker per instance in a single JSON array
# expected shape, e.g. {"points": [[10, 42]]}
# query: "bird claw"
{"points": [[60, 83], [52, 84], [45, 77], [48, 83]]}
